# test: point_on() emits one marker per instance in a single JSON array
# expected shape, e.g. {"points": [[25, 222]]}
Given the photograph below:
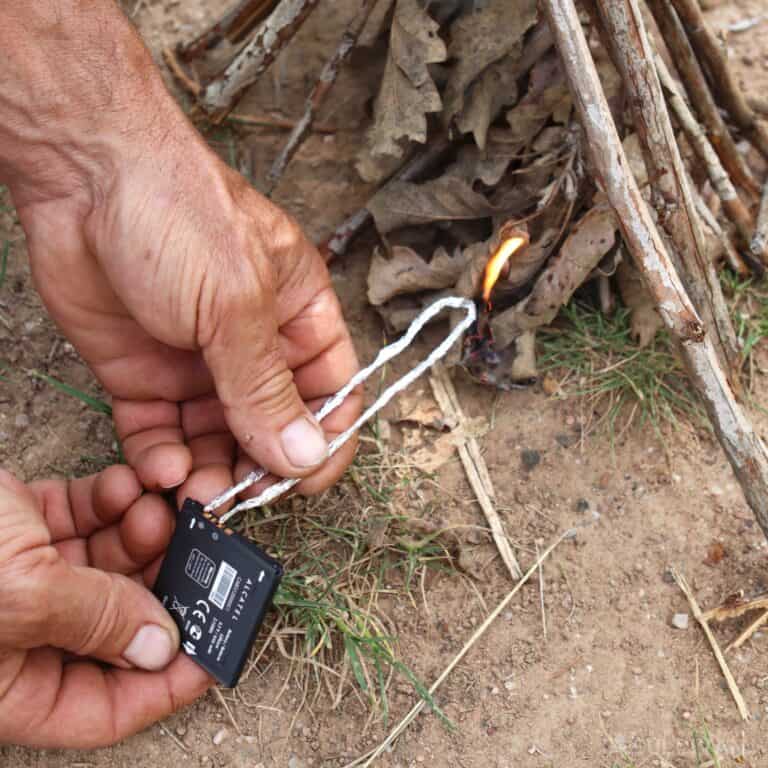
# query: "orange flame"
{"points": [[507, 248]]}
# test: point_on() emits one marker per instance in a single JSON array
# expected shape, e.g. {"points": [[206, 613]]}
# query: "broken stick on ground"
{"points": [[474, 464], [701, 619]]}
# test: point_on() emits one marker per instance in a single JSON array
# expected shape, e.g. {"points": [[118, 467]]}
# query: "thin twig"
{"points": [[698, 90], [732, 205], [224, 704], [541, 594], [178, 72], [272, 121], [177, 742], [474, 464], [699, 616], [220, 94], [759, 245], [748, 632], [368, 758], [731, 254], [725, 87], [319, 93]]}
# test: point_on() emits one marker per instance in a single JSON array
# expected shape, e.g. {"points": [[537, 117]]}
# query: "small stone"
{"points": [[680, 621], [220, 737], [21, 421], [582, 505], [604, 481], [294, 762], [637, 671], [495, 691], [181, 730], [565, 440], [686, 715], [530, 459]]}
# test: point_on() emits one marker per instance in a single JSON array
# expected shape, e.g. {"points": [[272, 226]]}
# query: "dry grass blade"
{"points": [[699, 616], [368, 758]]}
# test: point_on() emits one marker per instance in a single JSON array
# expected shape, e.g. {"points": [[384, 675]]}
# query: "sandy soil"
{"points": [[612, 683]]}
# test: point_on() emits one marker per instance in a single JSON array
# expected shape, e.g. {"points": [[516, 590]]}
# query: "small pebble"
{"points": [[294, 762], [680, 621], [530, 459], [220, 737], [582, 505], [686, 715]]}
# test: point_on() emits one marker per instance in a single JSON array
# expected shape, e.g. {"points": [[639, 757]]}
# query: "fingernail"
{"points": [[304, 443], [152, 648]]}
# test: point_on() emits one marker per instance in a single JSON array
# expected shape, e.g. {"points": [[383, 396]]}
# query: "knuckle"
{"points": [[269, 388], [104, 621]]}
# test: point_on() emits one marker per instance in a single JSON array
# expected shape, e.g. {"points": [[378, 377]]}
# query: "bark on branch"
{"points": [[743, 447], [631, 51]]}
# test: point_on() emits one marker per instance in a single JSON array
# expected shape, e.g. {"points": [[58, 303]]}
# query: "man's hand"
{"points": [[200, 306], [75, 562]]}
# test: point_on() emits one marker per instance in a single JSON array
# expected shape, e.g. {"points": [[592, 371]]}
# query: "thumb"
{"points": [[106, 616], [263, 408]]}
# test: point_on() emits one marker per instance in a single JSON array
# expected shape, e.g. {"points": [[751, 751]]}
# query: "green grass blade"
{"points": [[94, 403]]}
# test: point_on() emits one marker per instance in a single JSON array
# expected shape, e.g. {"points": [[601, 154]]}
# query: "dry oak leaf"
{"points": [[591, 238], [406, 272], [407, 90], [449, 198], [481, 38]]}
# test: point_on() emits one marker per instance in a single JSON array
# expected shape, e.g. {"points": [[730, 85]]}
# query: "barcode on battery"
{"points": [[222, 586]]}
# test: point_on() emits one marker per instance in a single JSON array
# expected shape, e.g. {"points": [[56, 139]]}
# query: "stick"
{"points": [[319, 93], [726, 89], [220, 95], [366, 759], [697, 614], [235, 25], [742, 446], [759, 244], [271, 121], [748, 632], [186, 82], [731, 254], [474, 464], [541, 594], [631, 51], [733, 206], [703, 102]]}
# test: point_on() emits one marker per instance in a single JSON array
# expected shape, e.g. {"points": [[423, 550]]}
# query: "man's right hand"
{"points": [[199, 305]]}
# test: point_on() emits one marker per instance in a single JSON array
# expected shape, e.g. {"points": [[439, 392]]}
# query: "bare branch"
{"points": [[631, 51], [727, 90], [220, 95]]}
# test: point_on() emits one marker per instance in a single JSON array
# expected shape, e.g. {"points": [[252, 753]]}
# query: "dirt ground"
{"points": [[612, 684]]}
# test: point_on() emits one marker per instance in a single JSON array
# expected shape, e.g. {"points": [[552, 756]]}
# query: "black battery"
{"points": [[217, 586]]}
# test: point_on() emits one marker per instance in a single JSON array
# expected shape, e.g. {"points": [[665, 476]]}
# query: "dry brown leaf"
{"points": [[419, 407], [591, 238], [494, 89], [481, 38], [406, 272], [375, 24], [449, 198], [645, 321], [407, 92]]}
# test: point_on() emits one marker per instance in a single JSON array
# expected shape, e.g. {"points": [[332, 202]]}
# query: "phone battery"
{"points": [[217, 586]]}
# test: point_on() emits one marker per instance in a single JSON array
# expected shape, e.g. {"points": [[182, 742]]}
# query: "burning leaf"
{"points": [[589, 241], [448, 198], [645, 321], [512, 240], [481, 38], [407, 91], [406, 272]]}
